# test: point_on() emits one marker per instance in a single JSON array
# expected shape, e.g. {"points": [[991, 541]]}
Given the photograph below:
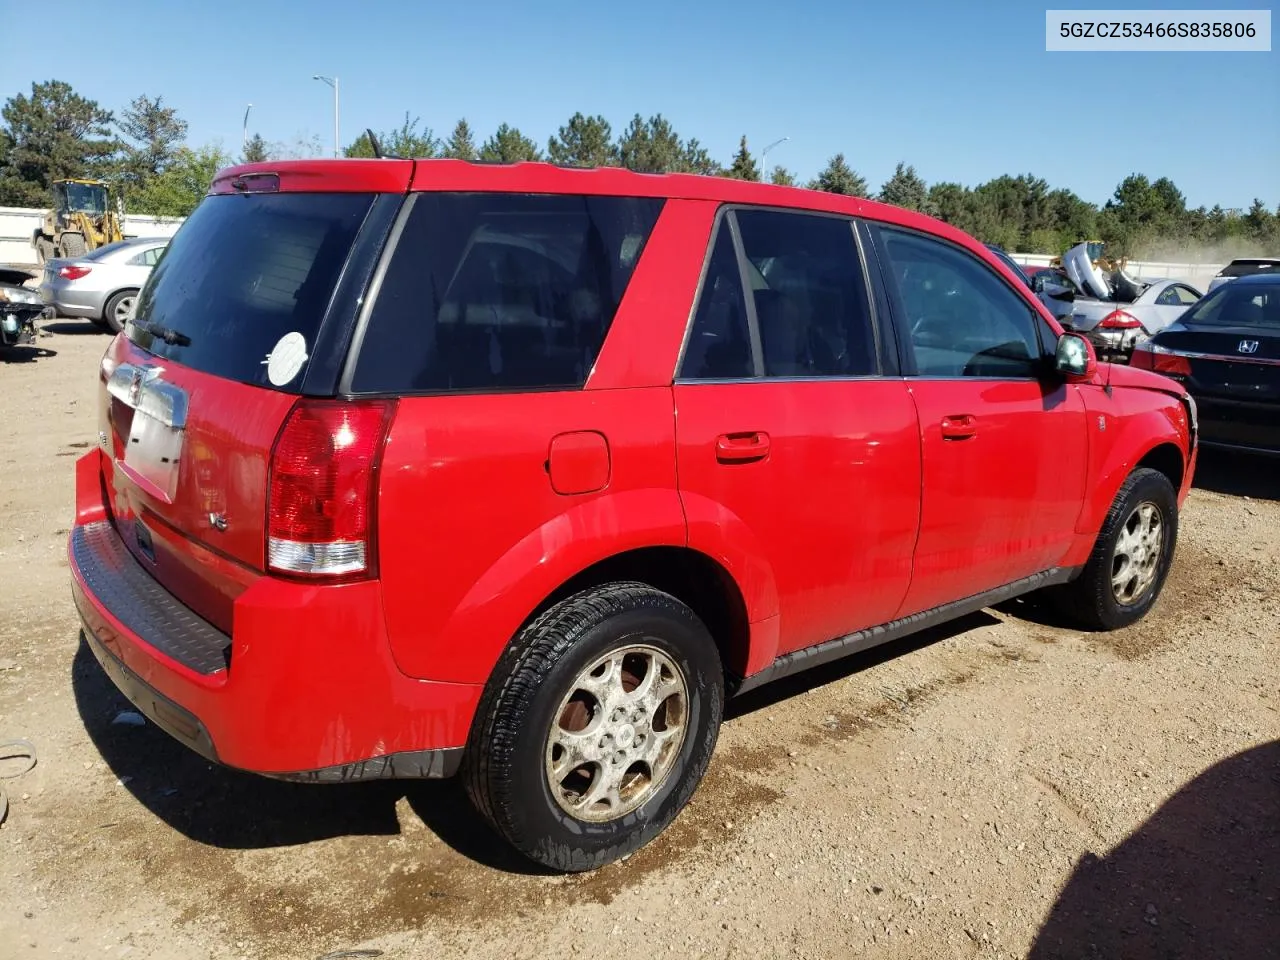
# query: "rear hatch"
{"points": [[236, 322]]}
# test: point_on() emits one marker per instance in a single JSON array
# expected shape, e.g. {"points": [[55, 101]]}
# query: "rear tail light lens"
{"points": [[74, 272], [320, 516], [1152, 356], [1119, 320]]}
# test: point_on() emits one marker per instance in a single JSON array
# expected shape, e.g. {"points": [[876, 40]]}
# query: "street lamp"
{"points": [[333, 82], [246, 124], [765, 152]]}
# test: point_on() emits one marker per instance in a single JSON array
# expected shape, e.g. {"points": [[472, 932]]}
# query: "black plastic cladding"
{"points": [[333, 340]]}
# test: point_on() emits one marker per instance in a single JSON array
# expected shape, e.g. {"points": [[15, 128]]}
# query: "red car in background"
{"points": [[415, 468]]}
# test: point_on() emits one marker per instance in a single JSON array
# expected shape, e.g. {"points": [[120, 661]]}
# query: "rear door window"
{"points": [[498, 292], [241, 274], [809, 294]]}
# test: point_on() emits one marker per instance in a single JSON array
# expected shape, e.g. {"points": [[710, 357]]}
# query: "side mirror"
{"points": [[1075, 358]]}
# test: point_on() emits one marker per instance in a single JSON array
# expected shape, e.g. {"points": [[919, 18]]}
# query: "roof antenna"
{"points": [[373, 142]]}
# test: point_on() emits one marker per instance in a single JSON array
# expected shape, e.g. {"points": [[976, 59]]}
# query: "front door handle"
{"points": [[742, 447], [959, 427]]}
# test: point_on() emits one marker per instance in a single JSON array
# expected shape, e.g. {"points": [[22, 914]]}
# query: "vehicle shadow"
{"points": [[1200, 878], [73, 328], [25, 354], [231, 809], [788, 687], [1238, 474]]}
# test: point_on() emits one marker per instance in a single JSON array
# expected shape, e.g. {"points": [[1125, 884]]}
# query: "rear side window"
{"points": [[809, 294], [719, 345], [241, 274], [494, 292]]}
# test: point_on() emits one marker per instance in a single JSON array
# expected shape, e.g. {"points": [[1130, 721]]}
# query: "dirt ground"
{"points": [[1002, 787]]}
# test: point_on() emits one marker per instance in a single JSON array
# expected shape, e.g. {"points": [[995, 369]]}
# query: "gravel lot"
{"points": [[999, 788]]}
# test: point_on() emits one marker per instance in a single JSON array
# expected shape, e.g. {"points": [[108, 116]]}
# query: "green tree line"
{"points": [[54, 132]]}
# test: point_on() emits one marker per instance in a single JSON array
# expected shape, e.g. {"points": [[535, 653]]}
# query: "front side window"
{"points": [[494, 292], [962, 319]]}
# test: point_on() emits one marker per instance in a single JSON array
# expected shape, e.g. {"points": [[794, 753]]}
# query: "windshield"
{"points": [[1238, 305], [86, 198]]}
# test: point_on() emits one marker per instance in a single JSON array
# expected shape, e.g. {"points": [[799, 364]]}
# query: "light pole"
{"points": [[246, 124], [765, 152], [333, 82]]}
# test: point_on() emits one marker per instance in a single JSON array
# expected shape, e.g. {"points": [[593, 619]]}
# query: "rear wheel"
{"points": [[118, 308], [596, 726], [1131, 559], [44, 249], [73, 245]]}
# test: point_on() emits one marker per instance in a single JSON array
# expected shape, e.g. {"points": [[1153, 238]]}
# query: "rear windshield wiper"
{"points": [[171, 337]]}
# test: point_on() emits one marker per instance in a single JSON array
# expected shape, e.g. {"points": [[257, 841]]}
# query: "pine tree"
{"points": [[255, 151], [905, 189], [461, 145], [743, 166], [584, 142], [509, 145], [839, 177]]}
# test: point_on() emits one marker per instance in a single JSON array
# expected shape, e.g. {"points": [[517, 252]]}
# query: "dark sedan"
{"points": [[1226, 351]]}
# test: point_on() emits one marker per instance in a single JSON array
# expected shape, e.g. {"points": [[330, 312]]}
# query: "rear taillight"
{"points": [[74, 272], [1152, 356], [320, 516], [1119, 320]]}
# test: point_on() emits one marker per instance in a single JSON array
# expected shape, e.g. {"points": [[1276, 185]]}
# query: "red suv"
{"points": [[410, 469]]}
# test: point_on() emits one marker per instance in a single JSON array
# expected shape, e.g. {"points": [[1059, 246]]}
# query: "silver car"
{"points": [[1115, 326], [101, 286]]}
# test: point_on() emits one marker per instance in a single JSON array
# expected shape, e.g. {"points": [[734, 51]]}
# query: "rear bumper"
{"points": [[70, 302], [304, 687], [1239, 425]]}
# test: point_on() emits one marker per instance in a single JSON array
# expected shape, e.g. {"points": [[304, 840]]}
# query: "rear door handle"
{"points": [[959, 427], [742, 447]]}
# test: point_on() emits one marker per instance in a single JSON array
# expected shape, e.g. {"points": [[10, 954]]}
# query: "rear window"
{"points": [[1239, 305], [496, 292], [242, 275], [1243, 268]]}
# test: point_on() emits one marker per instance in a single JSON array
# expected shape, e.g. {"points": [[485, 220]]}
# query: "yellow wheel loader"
{"points": [[82, 219]]}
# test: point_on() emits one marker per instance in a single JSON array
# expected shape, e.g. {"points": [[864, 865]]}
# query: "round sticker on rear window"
{"points": [[286, 359]]}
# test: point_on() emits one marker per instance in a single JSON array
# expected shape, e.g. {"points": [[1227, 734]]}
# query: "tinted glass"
{"points": [[1238, 304], [106, 250], [1243, 268], [501, 292], [1009, 262], [242, 272], [964, 321], [719, 346], [1176, 296], [810, 294]]}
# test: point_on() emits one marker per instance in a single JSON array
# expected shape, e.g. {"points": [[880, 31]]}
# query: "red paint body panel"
{"points": [[471, 534], [831, 510], [223, 469], [1001, 503], [578, 462], [312, 683]]}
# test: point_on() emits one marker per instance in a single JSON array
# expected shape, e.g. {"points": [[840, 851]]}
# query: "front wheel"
{"points": [[1131, 558], [597, 726]]}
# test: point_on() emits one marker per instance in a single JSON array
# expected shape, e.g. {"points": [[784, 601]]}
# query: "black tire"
{"points": [[109, 319], [44, 249], [1091, 599], [505, 768], [73, 245]]}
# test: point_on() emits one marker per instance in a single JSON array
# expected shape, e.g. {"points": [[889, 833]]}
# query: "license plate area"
{"points": [[153, 447], [153, 452]]}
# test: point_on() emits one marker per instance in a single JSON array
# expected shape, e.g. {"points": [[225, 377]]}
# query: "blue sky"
{"points": [[964, 93]]}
